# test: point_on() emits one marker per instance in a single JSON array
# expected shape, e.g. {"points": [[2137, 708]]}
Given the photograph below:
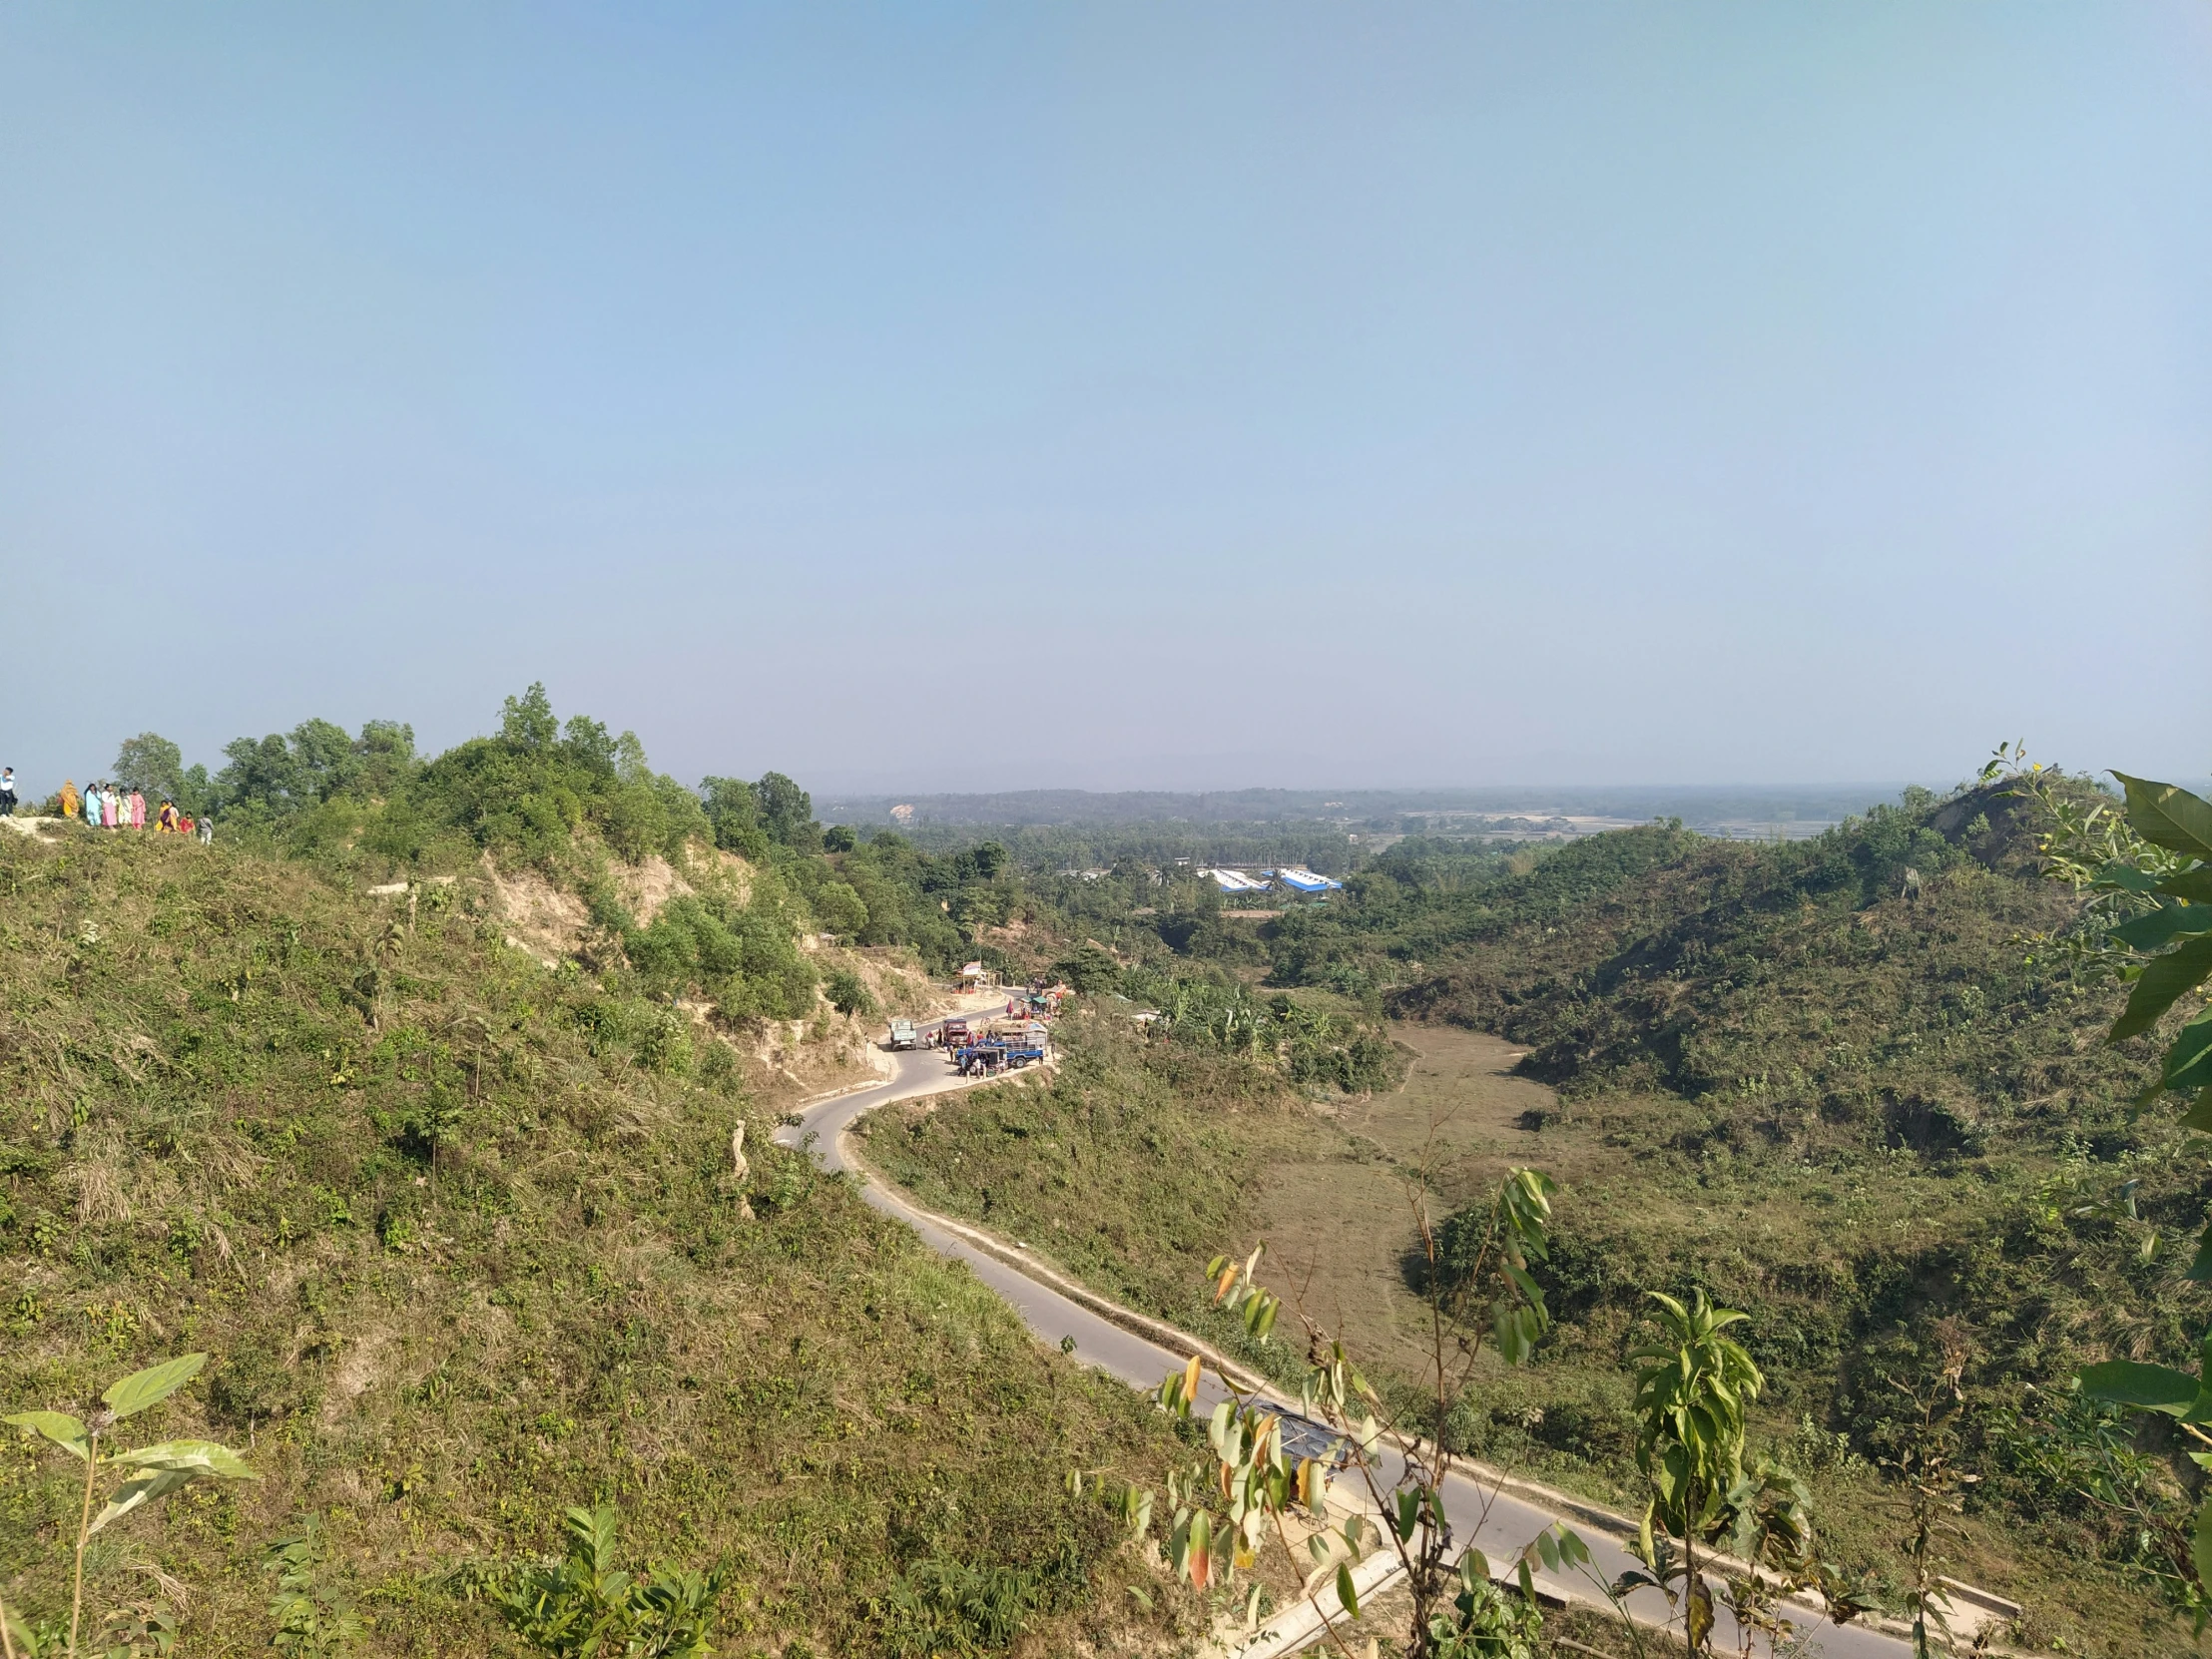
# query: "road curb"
{"points": [[1026, 1262]]}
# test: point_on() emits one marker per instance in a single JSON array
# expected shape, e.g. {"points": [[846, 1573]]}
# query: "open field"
{"points": [[1339, 1226]]}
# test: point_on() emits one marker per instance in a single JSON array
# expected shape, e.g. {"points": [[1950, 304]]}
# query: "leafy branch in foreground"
{"points": [[584, 1607], [1694, 1386], [149, 1471], [1934, 1487], [2146, 868], [1270, 1474]]}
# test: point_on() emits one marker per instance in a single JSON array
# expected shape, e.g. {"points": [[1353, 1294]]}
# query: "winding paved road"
{"points": [[1500, 1522]]}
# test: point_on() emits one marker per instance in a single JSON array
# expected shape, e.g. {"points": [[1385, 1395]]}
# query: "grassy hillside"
{"points": [[463, 1239], [1839, 1084], [1872, 1109]]}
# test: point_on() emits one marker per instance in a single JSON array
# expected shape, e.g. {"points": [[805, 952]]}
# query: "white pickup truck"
{"points": [[904, 1035]]}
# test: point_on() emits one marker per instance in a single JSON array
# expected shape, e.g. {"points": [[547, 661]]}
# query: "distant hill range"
{"points": [[1712, 809]]}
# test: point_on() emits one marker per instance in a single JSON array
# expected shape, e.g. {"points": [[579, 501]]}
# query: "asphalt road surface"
{"points": [[1500, 1523]]}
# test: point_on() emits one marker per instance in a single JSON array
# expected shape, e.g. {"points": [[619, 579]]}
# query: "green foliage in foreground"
{"points": [[1225, 1515], [583, 1606], [211, 1135], [2150, 875], [149, 1471], [1694, 1385]]}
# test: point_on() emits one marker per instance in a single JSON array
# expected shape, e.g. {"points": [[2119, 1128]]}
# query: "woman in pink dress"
{"points": [[137, 811], [111, 807]]}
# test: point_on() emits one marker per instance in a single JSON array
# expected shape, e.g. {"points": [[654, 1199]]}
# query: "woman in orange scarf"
{"points": [[69, 797]]}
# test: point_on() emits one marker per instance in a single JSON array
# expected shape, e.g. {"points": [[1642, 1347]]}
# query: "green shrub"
{"points": [[848, 995]]}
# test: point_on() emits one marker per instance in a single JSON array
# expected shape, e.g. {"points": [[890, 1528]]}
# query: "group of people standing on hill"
{"points": [[113, 807]]}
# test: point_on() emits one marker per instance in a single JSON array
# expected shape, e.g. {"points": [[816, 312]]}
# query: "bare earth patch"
{"points": [[648, 885], [540, 919]]}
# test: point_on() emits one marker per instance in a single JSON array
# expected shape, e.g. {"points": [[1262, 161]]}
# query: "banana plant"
{"points": [[148, 1472]]}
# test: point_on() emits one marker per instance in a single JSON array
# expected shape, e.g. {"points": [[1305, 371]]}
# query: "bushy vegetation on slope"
{"points": [[463, 1240], [564, 797]]}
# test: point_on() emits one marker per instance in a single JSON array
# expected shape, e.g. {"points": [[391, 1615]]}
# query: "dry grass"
{"points": [[436, 1339]]}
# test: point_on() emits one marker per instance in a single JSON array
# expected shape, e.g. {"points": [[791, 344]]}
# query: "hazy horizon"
{"points": [[1116, 397]]}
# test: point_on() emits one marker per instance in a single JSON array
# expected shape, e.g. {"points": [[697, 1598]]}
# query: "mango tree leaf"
{"points": [[2185, 1065], [59, 1426], [2201, 1544], [2128, 877], [2168, 816], [2193, 884], [2135, 881], [2165, 981], [200, 1456], [1697, 1618], [2200, 1269], [2146, 1387], [1347, 1596], [1515, 1331], [1409, 1513], [1262, 1320], [2158, 928], [133, 1393]]}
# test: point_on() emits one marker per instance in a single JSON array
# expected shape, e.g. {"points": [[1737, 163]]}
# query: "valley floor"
{"points": [[1337, 1227], [1167, 1177]]}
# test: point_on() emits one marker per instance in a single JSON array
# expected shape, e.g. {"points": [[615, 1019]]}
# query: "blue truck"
{"points": [[1006, 1047]]}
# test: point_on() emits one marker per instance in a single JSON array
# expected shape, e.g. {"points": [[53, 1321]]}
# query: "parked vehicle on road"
{"points": [[1007, 1046], [904, 1034]]}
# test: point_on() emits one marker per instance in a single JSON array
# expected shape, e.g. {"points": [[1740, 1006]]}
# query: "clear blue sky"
{"points": [[1116, 395]]}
